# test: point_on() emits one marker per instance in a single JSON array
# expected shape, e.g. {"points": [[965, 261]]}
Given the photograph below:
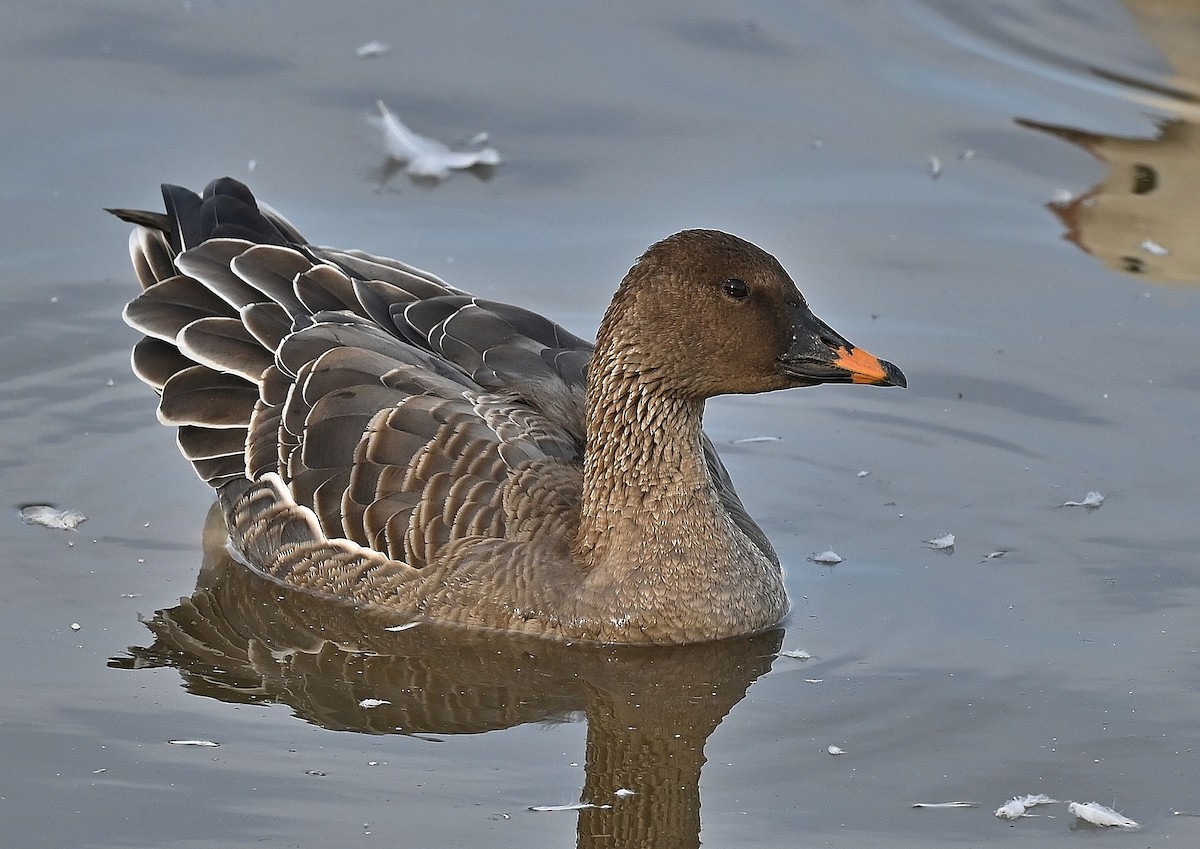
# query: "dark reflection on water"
{"points": [[243, 639], [1139, 219]]}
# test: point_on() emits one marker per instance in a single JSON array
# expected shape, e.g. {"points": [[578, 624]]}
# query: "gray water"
{"points": [[1039, 292]]}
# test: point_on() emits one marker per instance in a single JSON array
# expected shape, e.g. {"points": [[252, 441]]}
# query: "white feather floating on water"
{"points": [[797, 654], [577, 806], [826, 558], [943, 543], [1093, 499], [945, 804], [48, 517], [836, 750], [207, 744], [425, 157], [371, 49], [1100, 815], [1019, 806], [373, 703]]}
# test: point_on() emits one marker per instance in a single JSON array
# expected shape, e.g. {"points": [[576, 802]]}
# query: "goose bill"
{"points": [[819, 354]]}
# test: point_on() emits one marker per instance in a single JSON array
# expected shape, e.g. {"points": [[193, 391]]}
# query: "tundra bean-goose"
{"points": [[378, 436]]}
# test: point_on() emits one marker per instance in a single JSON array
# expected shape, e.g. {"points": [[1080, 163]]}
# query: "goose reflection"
{"points": [[242, 638], [1140, 218]]}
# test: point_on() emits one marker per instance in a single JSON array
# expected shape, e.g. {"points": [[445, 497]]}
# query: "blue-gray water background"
{"points": [[1040, 293]]}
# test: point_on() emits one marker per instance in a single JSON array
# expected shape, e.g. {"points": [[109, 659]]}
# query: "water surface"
{"points": [[1040, 294]]}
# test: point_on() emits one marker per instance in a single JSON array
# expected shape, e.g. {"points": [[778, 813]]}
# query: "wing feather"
{"points": [[361, 418]]}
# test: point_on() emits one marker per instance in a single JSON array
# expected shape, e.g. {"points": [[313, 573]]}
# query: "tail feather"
{"points": [[268, 323], [272, 270], [155, 362], [324, 287], [226, 345], [207, 443], [211, 262], [153, 258], [204, 397], [170, 305]]}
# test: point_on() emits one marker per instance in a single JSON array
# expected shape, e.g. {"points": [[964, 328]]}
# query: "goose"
{"points": [[377, 436]]}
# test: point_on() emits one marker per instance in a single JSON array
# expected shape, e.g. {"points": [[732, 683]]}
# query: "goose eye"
{"points": [[735, 288]]}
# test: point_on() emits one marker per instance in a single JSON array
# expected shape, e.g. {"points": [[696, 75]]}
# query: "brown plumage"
{"points": [[378, 436]]}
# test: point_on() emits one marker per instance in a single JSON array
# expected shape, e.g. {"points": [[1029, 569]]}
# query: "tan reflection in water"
{"points": [[1142, 217], [242, 638]]}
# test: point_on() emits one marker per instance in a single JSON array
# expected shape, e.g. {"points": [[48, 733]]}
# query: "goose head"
{"points": [[705, 313]]}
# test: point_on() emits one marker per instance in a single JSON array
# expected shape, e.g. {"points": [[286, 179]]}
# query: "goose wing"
{"points": [[404, 414]]}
